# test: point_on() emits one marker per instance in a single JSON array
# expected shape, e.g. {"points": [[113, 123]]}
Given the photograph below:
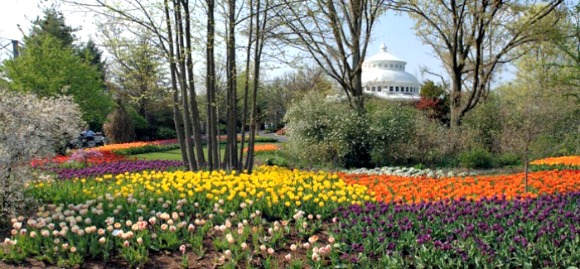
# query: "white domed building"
{"points": [[384, 76]]}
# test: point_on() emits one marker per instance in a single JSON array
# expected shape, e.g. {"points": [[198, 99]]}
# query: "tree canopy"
{"points": [[47, 69], [474, 38]]}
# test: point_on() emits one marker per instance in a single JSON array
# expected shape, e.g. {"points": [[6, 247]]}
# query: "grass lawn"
{"points": [[172, 155], [175, 155]]}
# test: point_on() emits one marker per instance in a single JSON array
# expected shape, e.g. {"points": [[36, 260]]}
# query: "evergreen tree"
{"points": [[54, 24], [94, 56]]}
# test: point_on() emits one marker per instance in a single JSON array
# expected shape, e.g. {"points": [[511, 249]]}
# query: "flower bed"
{"points": [[286, 218], [134, 214], [264, 148], [491, 233], [278, 191], [113, 147], [141, 147], [81, 157], [564, 162], [418, 189], [118, 167]]}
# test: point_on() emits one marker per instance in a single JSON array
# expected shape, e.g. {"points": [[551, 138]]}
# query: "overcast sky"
{"points": [[394, 30]]}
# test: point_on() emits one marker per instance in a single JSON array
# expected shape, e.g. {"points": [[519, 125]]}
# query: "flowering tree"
{"points": [[30, 127]]}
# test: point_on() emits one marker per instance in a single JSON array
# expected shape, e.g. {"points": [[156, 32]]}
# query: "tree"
{"points": [[541, 119], [94, 56], [567, 41], [336, 35], [136, 72], [54, 24], [171, 26], [119, 127], [30, 127], [48, 69], [434, 101], [279, 94], [473, 39]]}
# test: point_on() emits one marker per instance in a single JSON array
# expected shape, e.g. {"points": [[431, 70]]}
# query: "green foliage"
{"points": [[165, 133], [93, 55], [46, 68], [508, 159], [392, 125], [476, 158], [432, 91], [327, 132], [53, 23], [140, 123], [264, 139], [485, 123], [277, 158]]}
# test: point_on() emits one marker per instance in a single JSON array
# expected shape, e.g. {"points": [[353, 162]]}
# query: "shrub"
{"points": [[166, 133], [508, 159], [432, 143], [325, 132], [485, 124], [263, 139], [391, 127], [476, 158], [30, 127], [119, 126]]}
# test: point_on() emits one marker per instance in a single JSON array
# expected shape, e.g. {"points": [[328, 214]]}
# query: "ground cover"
{"points": [[290, 218]]}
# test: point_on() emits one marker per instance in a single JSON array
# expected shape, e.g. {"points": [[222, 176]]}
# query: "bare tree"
{"points": [[335, 34], [171, 25], [473, 38]]}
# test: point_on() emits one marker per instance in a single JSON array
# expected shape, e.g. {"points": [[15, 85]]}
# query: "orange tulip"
{"points": [[416, 189]]}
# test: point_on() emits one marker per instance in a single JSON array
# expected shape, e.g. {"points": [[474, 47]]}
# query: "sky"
{"points": [[395, 31]]}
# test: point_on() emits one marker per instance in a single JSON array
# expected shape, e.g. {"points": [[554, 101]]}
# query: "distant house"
{"points": [[384, 76]]}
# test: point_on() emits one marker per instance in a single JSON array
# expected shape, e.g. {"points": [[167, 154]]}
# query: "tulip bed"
{"points": [[489, 233], [563, 162], [284, 218]]}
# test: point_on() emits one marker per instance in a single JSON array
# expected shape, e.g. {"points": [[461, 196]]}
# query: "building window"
{"points": [[391, 88], [379, 88], [397, 89]]}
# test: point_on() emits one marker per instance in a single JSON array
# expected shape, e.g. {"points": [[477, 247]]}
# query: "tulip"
{"points": [[293, 247]]}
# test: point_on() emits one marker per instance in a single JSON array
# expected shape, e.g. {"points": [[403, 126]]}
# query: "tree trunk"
{"points": [[455, 102], [246, 88], [180, 54], [198, 144], [254, 114], [230, 158], [173, 68], [212, 135]]}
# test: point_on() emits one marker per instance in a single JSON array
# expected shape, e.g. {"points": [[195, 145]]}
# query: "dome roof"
{"points": [[383, 56], [388, 76]]}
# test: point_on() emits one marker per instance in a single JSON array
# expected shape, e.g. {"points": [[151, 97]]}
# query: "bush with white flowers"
{"points": [[30, 127]]}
